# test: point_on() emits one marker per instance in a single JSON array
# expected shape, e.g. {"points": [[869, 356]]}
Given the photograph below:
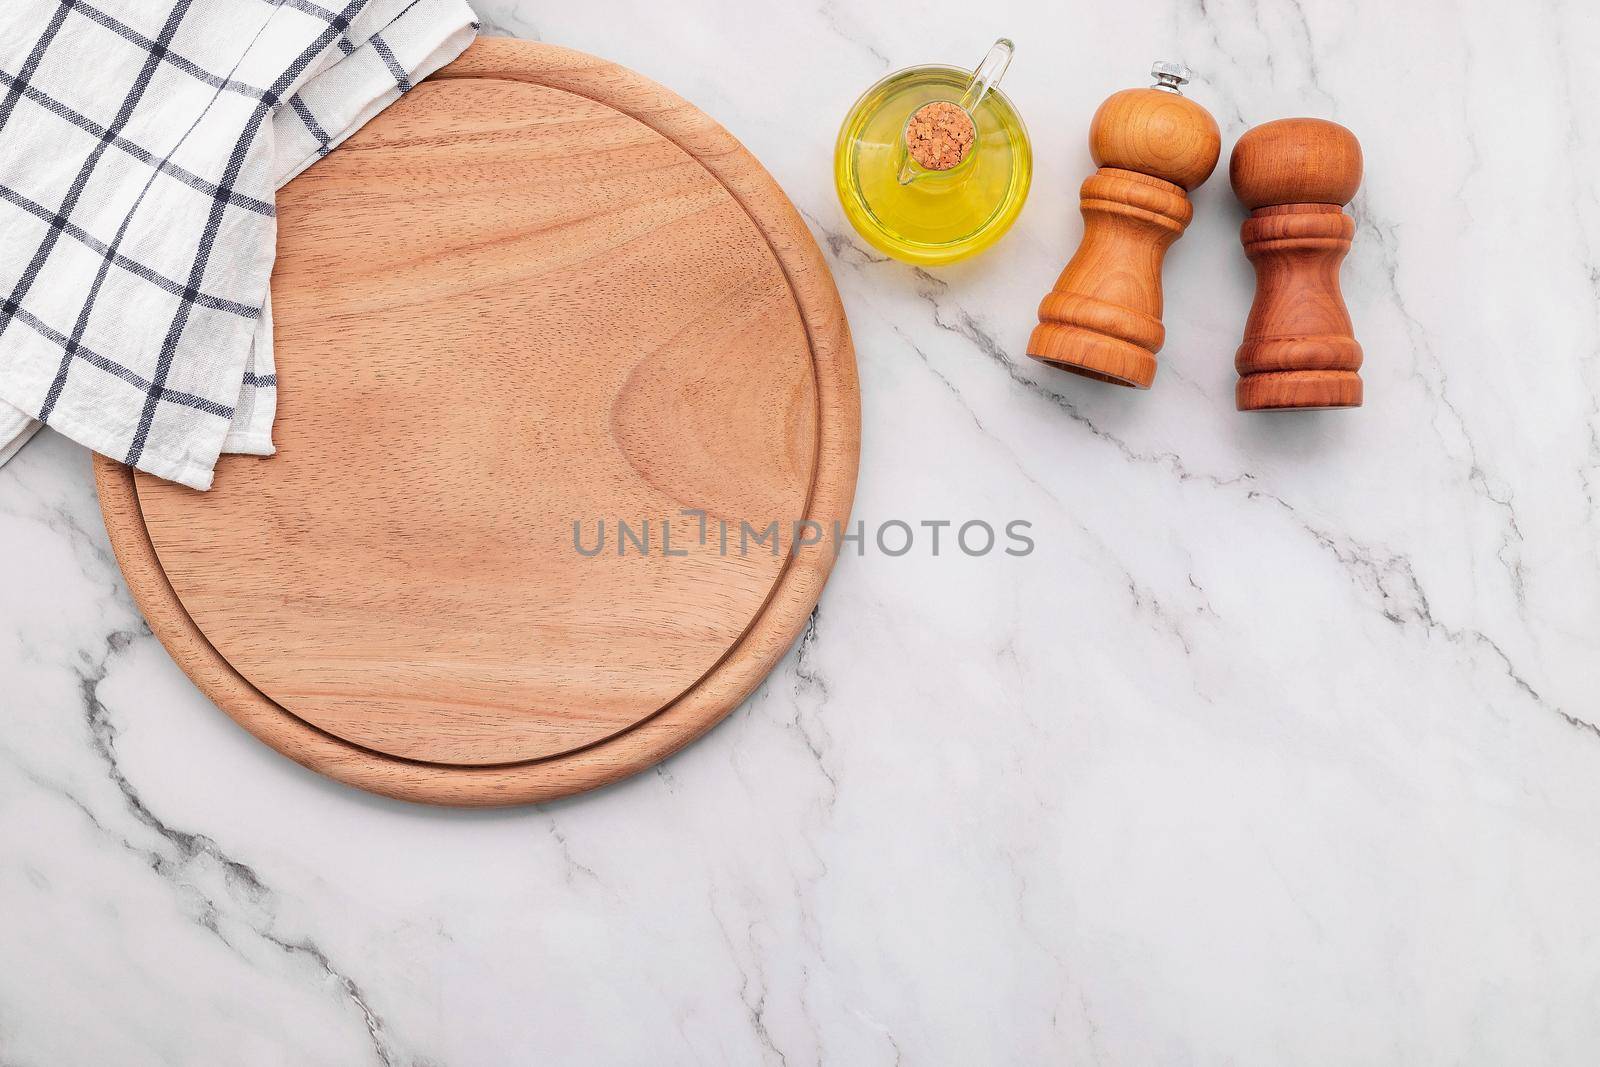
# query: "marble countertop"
{"points": [[1283, 746]]}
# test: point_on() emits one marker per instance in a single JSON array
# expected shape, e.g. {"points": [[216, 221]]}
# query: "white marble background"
{"points": [[1282, 748]]}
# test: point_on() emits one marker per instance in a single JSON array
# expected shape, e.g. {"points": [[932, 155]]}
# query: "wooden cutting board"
{"points": [[538, 292]]}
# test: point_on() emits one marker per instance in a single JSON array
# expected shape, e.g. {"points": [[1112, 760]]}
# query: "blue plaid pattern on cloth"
{"points": [[141, 147]]}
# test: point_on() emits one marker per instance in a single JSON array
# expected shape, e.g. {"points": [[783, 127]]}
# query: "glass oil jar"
{"points": [[932, 216]]}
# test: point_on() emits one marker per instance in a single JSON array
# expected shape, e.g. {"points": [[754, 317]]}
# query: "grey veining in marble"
{"points": [[1282, 747]]}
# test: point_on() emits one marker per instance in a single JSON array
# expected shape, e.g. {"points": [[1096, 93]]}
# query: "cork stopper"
{"points": [[939, 135]]}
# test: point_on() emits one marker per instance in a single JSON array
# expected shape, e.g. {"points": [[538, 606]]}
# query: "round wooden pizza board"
{"points": [[537, 298]]}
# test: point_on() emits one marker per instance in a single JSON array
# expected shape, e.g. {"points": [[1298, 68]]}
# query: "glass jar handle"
{"points": [[987, 76]]}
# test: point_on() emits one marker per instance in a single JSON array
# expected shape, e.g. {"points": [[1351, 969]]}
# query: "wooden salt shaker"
{"points": [[1299, 350], [1153, 146]]}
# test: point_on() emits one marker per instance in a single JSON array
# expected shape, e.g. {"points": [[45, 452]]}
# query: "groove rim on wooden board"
{"points": [[780, 620]]}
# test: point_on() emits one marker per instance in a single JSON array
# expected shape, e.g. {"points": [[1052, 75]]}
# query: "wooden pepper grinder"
{"points": [[1299, 351], [1103, 318]]}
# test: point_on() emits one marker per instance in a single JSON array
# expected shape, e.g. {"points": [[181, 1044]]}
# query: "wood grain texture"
{"points": [[1102, 319], [1299, 349], [538, 289], [1158, 133]]}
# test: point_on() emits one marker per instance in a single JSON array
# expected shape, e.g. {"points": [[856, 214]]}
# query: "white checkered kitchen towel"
{"points": [[141, 144]]}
